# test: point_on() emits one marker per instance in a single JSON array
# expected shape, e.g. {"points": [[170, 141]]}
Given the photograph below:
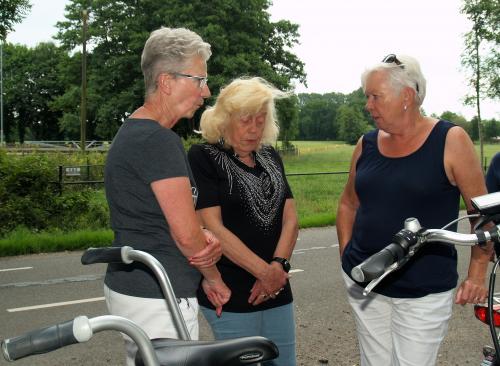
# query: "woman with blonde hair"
{"points": [[245, 200]]}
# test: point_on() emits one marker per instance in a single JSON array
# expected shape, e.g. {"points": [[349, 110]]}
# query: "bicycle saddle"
{"points": [[231, 352]]}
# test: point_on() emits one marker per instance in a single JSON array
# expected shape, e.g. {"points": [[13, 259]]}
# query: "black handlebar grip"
{"points": [[102, 255], [375, 266], [39, 341]]}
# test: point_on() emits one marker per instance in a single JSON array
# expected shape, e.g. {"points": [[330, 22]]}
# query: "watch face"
{"points": [[284, 263]]}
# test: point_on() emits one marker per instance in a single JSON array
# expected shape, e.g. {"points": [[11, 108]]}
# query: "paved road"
{"points": [[325, 329]]}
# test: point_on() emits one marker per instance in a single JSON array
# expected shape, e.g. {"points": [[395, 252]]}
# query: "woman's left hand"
{"points": [[471, 291], [217, 293], [208, 256], [259, 294]]}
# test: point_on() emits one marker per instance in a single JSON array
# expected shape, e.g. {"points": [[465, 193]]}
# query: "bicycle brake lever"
{"points": [[376, 281]]}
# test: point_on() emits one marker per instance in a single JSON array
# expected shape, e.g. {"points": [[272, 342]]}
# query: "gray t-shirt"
{"points": [[143, 152]]}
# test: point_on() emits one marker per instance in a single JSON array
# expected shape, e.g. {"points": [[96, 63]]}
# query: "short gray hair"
{"points": [[408, 74], [170, 50]]}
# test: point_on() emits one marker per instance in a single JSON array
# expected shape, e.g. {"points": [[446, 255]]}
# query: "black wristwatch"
{"points": [[284, 263]]}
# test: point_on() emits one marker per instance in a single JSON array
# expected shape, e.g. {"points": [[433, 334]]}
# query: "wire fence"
{"points": [[93, 175]]}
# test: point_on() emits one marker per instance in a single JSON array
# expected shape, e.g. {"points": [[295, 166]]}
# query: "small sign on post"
{"points": [[72, 171]]}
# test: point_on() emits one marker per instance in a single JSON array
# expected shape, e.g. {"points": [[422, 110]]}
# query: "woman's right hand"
{"points": [[209, 255], [274, 278], [217, 293]]}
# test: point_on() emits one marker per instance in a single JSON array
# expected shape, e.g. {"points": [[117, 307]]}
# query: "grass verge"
{"points": [[22, 241]]}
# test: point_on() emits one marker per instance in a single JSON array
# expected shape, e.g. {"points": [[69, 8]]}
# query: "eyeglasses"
{"points": [[202, 80], [392, 59]]}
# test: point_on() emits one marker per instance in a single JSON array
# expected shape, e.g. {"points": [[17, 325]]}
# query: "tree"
{"points": [[491, 129], [288, 117], [474, 129], [458, 119], [481, 55], [357, 100], [33, 78], [352, 124], [11, 13], [244, 42], [318, 115]]}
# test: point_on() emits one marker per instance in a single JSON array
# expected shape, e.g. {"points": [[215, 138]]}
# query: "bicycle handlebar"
{"points": [[406, 243], [374, 266], [106, 255], [78, 330], [39, 341]]}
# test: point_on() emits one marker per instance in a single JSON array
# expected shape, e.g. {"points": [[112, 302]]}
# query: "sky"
{"points": [[339, 39]]}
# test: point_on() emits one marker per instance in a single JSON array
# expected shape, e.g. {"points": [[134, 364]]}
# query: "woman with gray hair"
{"points": [[411, 165], [152, 194], [245, 200]]}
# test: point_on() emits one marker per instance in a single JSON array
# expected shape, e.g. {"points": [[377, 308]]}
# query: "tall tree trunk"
{"points": [[478, 101]]}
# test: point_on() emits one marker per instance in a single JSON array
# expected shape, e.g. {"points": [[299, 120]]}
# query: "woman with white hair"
{"points": [[245, 200], [152, 194], [411, 165]]}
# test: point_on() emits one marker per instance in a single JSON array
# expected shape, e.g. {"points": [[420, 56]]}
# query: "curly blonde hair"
{"points": [[244, 96]]}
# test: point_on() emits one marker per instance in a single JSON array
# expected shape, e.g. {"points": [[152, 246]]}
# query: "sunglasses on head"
{"points": [[392, 59]]}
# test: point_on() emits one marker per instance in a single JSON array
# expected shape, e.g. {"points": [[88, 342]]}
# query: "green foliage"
{"points": [[29, 197], [25, 188], [317, 116], [244, 42], [481, 55], [324, 116], [288, 117], [191, 140], [352, 124], [11, 13], [457, 119], [32, 82], [491, 129]]}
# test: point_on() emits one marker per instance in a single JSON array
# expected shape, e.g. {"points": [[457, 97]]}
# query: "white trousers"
{"points": [[394, 331], [152, 315]]}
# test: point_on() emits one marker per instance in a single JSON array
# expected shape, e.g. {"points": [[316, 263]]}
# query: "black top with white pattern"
{"points": [[252, 201]]}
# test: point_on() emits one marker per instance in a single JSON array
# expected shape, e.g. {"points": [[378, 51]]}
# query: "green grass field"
{"points": [[317, 195]]}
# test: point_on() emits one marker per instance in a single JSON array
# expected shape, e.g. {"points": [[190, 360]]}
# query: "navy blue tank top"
{"points": [[393, 189]]}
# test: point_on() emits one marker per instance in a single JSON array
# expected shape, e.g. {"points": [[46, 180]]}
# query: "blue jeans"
{"points": [[277, 324]]}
